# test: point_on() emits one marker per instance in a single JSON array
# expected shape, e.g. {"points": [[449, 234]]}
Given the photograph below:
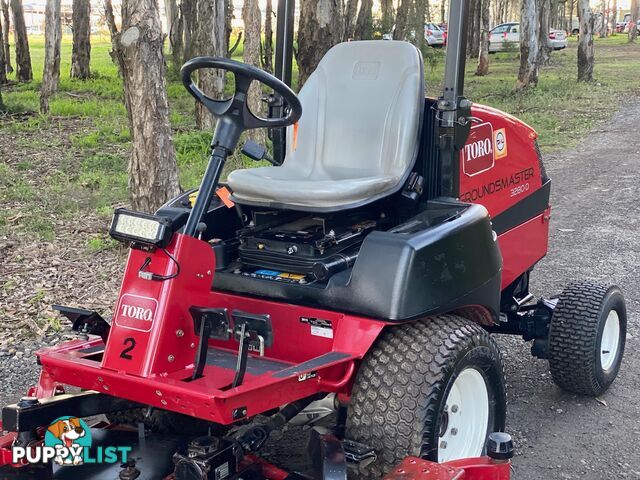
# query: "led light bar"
{"points": [[140, 228]]}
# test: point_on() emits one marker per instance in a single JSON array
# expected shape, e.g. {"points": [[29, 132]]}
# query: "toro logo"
{"points": [[477, 154], [136, 312]]}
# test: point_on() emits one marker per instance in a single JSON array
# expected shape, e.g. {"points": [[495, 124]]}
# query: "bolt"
{"points": [[193, 345], [454, 408], [159, 393], [171, 358], [179, 333], [106, 387], [443, 444], [454, 431], [163, 401]]}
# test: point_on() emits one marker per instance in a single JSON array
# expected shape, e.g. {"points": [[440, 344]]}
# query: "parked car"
{"points": [[507, 36], [443, 27], [434, 35]]}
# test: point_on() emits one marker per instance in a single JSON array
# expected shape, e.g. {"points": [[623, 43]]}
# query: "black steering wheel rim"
{"points": [[236, 106]]}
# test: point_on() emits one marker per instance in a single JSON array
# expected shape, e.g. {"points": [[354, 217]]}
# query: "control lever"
{"points": [[257, 152]]}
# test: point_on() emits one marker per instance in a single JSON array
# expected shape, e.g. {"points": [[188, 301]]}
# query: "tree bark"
{"points": [[544, 51], [443, 12], [613, 16], [321, 27], [585, 42], [111, 21], [473, 31], [153, 174], [52, 39], [3, 64], [420, 6], [364, 23], [528, 72], [189, 13], [5, 37], [23, 57], [268, 37], [81, 52], [176, 40], [171, 14], [633, 29], [228, 25], [251, 55], [483, 57], [386, 7], [350, 17], [402, 15], [209, 39]]}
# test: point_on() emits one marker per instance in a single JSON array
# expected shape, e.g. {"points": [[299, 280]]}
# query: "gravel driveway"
{"points": [[596, 236]]}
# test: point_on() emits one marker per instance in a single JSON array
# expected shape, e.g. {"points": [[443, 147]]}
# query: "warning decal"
{"points": [[500, 142]]}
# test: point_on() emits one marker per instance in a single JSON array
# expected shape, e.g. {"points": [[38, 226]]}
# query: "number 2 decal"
{"points": [[130, 344]]}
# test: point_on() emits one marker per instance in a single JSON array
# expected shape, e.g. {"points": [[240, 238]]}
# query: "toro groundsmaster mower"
{"points": [[363, 272]]}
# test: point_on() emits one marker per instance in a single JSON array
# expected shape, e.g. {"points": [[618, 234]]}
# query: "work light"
{"points": [[140, 229]]}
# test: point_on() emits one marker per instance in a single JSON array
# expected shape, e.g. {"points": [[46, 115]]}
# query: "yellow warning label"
{"points": [[292, 276]]}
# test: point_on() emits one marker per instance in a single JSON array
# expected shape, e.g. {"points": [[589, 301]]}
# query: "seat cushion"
{"points": [[259, 184], [358, 137]]}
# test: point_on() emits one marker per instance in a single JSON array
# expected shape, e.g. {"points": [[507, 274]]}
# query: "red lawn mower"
{"points": [[363, 272]]}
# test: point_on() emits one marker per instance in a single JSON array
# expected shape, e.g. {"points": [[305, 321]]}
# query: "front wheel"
{"points": [[587, 337], [434, 388]]}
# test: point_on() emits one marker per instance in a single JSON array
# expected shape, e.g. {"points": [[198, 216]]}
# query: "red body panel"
{"points": [[500, 179], [482, 468]]}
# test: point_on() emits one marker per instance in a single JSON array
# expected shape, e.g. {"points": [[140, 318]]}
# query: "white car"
{"points": [[507, 36], [433, 35]]}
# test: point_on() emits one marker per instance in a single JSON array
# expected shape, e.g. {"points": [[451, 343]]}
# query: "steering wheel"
{"points": [[233, 113]]}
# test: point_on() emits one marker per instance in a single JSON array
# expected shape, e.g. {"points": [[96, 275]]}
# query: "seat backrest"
{"points": [[362, 111]]}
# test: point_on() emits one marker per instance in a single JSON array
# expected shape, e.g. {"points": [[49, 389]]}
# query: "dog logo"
{"points": [[69, 436]]}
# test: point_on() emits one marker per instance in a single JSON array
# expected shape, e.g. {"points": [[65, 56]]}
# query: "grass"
{"points": [[91, 173]]}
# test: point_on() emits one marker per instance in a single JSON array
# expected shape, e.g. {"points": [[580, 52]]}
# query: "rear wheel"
{"points": [[587, 337], [433, 388]]}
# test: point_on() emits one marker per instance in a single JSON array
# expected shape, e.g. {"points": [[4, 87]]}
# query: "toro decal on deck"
{"points": [[136, 312], [478, 154]]}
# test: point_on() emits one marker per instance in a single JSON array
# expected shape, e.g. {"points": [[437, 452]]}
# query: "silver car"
{"points": [[506, 36], [433, 35]]}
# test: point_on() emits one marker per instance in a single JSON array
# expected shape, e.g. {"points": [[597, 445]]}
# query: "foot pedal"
{"points": [[358, 453], [85, 321], [208, 323], [253, 332]]}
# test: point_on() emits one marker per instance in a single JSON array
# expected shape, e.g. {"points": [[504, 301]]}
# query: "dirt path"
{"points": [[595, 235]]}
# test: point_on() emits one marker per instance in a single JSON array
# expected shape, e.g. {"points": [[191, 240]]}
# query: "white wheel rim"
{"points": [[466, 417], [610, 343]]}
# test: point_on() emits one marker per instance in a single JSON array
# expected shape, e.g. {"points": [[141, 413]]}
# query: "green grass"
{"points": [[91, 175]]}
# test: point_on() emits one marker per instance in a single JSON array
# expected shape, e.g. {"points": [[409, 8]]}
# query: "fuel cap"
{"points": [[500, 446]]}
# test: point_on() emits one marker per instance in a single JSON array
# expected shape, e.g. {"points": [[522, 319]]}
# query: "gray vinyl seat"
{"points": [[358, 137]]}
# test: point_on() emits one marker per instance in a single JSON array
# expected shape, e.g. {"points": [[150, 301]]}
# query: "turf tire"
{"points": [[575, 336], [400, 391]]}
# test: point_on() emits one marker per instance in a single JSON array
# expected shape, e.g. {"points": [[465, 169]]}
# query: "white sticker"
{"points": [[321, 331], [222, 471]]}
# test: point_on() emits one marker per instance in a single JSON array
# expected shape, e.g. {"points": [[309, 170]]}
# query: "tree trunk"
{"points": [[585, 42], [613, 16], [171, 14], [350, 16], [386, 7], [209, 39], [544, 52], [483, 57], [633, 29], [228, 24], [473, 30], [52, 39], [268, 37], [420, 6], [251, 55], [443, 18], [5, 36], [176, 40], [402, 16], [23, 57], [364, 23], [189, 8], [528, 72], [2, 107], [3, 65], [111, 21], [321, 27], [81, 54], [153, 174], [572, 5]]}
